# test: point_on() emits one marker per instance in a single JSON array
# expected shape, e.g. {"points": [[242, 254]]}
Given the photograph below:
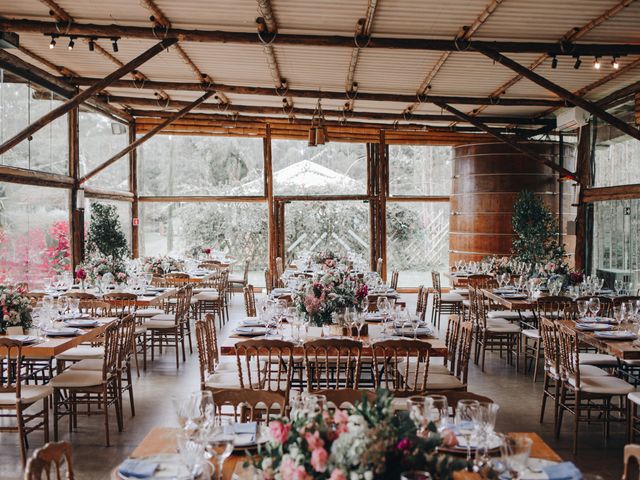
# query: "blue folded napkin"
{"points": [[563, 471], [138, 468]]}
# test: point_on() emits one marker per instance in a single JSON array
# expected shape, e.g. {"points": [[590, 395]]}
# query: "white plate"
{"points": [[82, 323], [250, 331], [25, 339], [616, 335], [611, 321], [61, 332], [408, 332], [493, 443], [593, 327]]}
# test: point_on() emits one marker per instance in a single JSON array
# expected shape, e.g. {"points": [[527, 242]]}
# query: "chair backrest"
{"points": [[176, 279], [95, 308], [631, 460], [401, 365], [454, 396], [332, 363], [464, 351], [478, 307], [549, 335], [265, 364], [625, 298], [480, 280], [245, 273], [347, 398], [569, 351], [110, 361], [183, 303], [126, 338], [249, 301], [379, 266], [11, 362], [451, 337], [437, 287], [81, 295], [556, 306], [250, 405], [268, 280], [122, 303], [606, 305], [53, 461], [207, 345], [394, 280], [420, 306]]}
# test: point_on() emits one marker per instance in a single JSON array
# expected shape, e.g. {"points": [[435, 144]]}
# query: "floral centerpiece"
{"points": [[97, 266], [326, 258], [370, 443], [329, 293], [15, 308], [161, 264]]}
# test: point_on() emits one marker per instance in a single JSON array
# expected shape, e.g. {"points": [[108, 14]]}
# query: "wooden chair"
{"points": [[481, 280], [80, 295], [631, 462], [401, 365], [176, 279], [95, 308], [17, 398], [249, 405], [332, 363], [443, 303], [277, 280], [249, 301], [240, 281], [587, 398], [268, 280], [215, 299], [394, 280], [626, 298], [123, 304], [99, 388], [458, 379], [347, 398], [379, 266], [54, 456]]}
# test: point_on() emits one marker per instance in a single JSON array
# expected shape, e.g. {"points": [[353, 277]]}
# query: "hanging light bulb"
{"points": [[52, 45], [554, 62], [114, 44], [71, 44], [596, 63], [615, 63], [578, 63]]}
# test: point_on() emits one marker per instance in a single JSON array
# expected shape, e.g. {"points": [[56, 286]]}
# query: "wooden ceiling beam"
{"points": [[621, 95], [247, 38], [562, 93], [135, 144], [151, 102], [84, 95], [362, 34], [335, 95], [57, 11], [509, 141]]}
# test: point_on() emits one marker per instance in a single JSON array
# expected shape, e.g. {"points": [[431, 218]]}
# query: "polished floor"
{"points": [[517, 395]]}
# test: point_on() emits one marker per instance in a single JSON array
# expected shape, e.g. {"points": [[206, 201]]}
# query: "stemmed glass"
{"points": [[191, 450], [415, 323], [439, 413], [485, 429], [360, 320], [219, 443], [194, 411], [515, 454], [594, 306], [419, 408], [583, 308], [465, 421]]}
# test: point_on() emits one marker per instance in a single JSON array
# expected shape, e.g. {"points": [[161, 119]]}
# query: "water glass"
{"points": [[191, 450], [419, 407], [515, 453], [594, 306], [439, 413], [465, 420]]}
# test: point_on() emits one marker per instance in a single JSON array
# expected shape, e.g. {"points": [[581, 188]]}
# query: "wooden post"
{"points": [[77, 211], [85, 95], [383, 185], [133, 145], [133, 188], [268, 191], [561, 92], [583, 171]]}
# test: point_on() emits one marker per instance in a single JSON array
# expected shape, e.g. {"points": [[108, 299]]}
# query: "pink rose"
{"points": [[279, 431], [287, 466], [81, 274], [319, 459], [337, 474], [300, 473], [340, 416], [404, 444], [449, 438], [313, 440]]}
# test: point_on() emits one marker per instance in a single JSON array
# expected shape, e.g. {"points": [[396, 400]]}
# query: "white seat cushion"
{"points": [[159, 325], [605, 385], [498, 321], [236, 278], [205, 289], [164, 317], [438, 369], [464, 292], [632, 363], [503, 328], [81, 353], [509, 315], [443, 382], [532, 333], [207, 297], [434, 368], [89, 364], [598, 359], [585, 370], [634, 397], [466, 303], [223, 380], [451, 297], [77, 378], [28, 394], [149, 312]]}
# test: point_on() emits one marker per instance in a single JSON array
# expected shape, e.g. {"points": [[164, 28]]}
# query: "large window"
{"points": [[20, 106], [340, 226], [34, 233], [180, 165], [238, 228], [99, 139], [420, 170], [124, 214], [330, 169]]}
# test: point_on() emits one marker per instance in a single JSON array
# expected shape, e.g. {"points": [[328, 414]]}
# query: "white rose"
{"points": [[368, 475]]}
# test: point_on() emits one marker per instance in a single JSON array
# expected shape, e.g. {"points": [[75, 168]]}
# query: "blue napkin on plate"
{"points": [[563, 471], [138, 468], [248, 427]]}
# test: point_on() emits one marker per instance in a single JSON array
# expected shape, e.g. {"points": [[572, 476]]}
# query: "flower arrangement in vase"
{"points": [[15, 308], [161, 264]]}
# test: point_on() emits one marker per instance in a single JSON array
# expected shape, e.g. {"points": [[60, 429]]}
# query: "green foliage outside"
{"points": [[105, 236]]}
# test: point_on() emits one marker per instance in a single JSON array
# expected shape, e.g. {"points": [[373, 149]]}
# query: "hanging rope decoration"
{"points": [[167, 102], [68, 27], [166, 30]]}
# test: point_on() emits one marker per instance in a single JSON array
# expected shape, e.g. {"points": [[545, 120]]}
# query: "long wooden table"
{"points": [[439, 349], [142, 301], [622, 349], [162, 440], [55, 345], [513, 304]]}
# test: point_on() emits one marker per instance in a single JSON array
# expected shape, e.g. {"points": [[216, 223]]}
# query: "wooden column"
{"points": [[583, 172], [133, 188], [268, 191], [383, 186], [76, 211]]}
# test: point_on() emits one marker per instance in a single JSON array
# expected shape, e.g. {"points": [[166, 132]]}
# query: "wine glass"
{"points": [[219, 444], [419, 407], [515, 453], [191, 450], [465, 421], [594, 306], [360, 323], [414, 320], [194, 411], [583, 308], [439, 413]]}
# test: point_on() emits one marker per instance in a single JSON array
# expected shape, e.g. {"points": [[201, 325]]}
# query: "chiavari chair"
{"points": [[631, 462], [401, 365], [455, 396], [347, 398], [249, 301], [240, 281], [268, 280], [443, 303], [458, 379], [583, 395], [394, 280], [606, 305], [332, 363], [51, 462], [213, 367], [17, 399], [81, 295], [250, 405]]}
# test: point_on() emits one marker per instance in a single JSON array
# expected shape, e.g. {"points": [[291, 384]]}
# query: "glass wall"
{"points": [[418, 231], [184, 165], [20, 106], [124, 214], [34, 233], [340, 226], [238, 228], [99, 139], [330, 169]]}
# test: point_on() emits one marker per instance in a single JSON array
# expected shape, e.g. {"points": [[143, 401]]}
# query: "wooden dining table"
{"points": [[622, 349], [438, 347], [513, 304], [163, 440], [142, 300]]}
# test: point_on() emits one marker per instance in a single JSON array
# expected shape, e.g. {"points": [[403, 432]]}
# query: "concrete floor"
{"points": [[518, 397]]}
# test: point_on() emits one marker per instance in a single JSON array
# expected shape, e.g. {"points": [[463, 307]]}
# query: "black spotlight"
{"points": [[71, 43], [92, 45], [554, 62], [578, 63], [114, 44]]}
